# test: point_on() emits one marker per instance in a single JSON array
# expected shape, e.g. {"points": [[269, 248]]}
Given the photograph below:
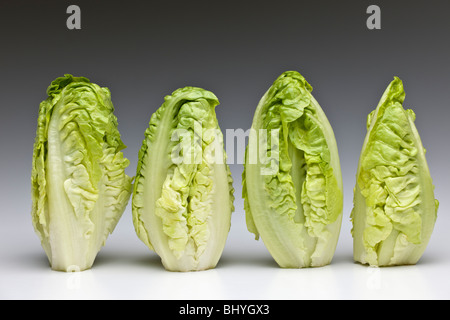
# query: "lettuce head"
{"points": [[292, 184], [183, 193], [394, 208], [78, 181]]}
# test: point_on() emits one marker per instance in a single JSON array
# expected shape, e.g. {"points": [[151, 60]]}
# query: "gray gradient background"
{"points": [[143, 51]]}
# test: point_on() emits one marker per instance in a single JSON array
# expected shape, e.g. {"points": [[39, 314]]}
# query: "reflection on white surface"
{"points": [[311, 283], [125, 269], [194, 285], [135, 277], [401, 282]]}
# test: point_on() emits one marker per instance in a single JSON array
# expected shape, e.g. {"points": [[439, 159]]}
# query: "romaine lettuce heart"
{"points": [[297, 209], [394, 207], [78, 180], [183, 194]]}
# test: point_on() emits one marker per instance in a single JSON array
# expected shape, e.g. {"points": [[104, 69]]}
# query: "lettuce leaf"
{"points": [[297, 208], [78, 180], [394, 207], [183, 194]]}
